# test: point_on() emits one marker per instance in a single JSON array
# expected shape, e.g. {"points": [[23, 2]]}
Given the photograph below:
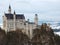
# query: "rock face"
{"points": [[17, 38], [2, 37], [42, 36], [45, 36]]}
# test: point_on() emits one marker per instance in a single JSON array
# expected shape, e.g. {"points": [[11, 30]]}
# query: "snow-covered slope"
{"points": [[54, 25], [58, 33]]}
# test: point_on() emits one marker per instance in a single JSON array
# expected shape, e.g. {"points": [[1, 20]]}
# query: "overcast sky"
{"points": [[48, 10]]}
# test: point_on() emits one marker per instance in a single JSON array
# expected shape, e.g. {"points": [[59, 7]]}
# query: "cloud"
{"points": [[45, 0], [46, 9]]}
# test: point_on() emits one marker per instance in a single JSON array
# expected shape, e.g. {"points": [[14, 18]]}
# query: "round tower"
{"points": [[14, 20], [9, 10], [36, 19]]}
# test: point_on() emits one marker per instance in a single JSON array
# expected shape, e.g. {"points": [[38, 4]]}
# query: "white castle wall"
{"points": [[13, 24], [19, 24]]}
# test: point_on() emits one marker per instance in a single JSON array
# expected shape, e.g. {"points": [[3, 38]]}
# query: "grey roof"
{"points": [[30, 22], [18, 16]]}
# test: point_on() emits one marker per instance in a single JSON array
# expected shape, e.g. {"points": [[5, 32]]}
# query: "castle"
{"points": [[14, 21]]}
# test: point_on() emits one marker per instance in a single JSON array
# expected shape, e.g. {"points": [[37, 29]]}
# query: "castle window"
{"points": [[11, 24], [4, 23], [21, 24]]}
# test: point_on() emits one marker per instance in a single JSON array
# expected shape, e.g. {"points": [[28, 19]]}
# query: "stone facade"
{"points": [[14, 21]]}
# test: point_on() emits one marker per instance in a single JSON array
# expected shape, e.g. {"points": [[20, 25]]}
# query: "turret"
{"points": [[9, 10], [36, 19], [14, 20], [28, 20]]}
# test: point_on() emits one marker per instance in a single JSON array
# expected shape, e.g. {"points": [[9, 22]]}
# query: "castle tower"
{"points": [[14, 20], [28, 28], [9, 10], [36, 19]]}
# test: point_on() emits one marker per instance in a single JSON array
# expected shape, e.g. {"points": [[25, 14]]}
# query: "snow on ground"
{"points": [[58, 33], [1, 25]]}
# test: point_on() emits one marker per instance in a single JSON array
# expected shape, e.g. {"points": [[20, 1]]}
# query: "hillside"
{"points": [[41, 36]]}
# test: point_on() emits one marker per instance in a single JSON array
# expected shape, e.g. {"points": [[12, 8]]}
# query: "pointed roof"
{"points": [[18, 16], [35, 14], [14, 12], [9, 7]]}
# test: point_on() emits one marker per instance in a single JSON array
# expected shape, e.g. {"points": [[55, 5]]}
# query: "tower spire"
{"points": [[14, 20], [9, 7], [9, 10], [14, 12]]}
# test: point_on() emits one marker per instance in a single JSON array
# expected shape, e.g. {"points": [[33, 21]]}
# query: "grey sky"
{"points": [[46, 9]]}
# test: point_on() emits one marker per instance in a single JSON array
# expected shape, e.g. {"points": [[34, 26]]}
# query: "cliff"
{"points": [[41, 36]]}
